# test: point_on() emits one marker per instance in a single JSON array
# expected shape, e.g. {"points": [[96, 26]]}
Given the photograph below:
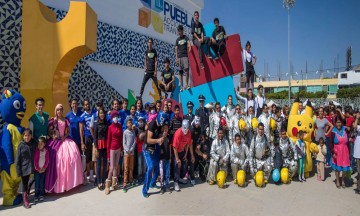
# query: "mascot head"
{"points": [[12, 107], [299, 122]]}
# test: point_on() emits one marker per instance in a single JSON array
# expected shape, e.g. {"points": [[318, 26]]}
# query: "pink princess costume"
{"points": [[341, 150], [65, 168]]}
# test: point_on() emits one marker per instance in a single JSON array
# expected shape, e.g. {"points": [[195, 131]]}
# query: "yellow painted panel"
{"points": [[51, 49]]}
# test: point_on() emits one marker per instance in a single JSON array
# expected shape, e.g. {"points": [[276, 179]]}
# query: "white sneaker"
{"points": [[182, 181], [176, 186], [192, 182], [196, 173]]}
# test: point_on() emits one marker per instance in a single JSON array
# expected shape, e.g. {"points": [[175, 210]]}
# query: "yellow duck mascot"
{"points": [[305, 123]]}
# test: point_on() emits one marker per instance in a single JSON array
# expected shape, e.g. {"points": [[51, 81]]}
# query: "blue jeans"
{"points": [[150, 162], [156, 166], [328, 153], [165, 174], [177, 169], [39, 184], [101, 161]]}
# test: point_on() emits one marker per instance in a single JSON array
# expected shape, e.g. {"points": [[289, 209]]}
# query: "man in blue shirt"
{"points": [[74, 118], [87, 139]]}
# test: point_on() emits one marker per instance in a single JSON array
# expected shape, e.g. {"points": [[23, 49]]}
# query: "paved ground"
{"points": [[310, 198]]}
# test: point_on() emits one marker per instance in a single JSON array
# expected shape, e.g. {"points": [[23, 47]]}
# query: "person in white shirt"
{"points": [[250, 60], [260, 100], [249, 101]]}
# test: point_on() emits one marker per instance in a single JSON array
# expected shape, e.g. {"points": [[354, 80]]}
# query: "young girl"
{"points": [[100, 134], [41, 161], [129, 146], [302, 155], [320, 159], [24, 165], [114, 148], [165, 157]]}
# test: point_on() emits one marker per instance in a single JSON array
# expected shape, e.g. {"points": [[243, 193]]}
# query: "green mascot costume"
{"points": [[12, 109]]}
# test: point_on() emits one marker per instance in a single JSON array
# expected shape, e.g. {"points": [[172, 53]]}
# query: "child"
{"points": [[24, 164], [139, 143], [300, 145], [129, 143], [320, 160], [41, 161], [165, 157], [114, 147], [278, 159]]}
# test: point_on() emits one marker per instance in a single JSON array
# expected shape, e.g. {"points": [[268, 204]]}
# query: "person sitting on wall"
{"points": [[218, 39], [167, 82]]}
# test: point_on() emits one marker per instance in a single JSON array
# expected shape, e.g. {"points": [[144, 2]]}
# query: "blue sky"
{"points": [[320, 30]]}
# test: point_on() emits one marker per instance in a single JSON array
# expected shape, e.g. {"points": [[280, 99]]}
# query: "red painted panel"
{"points": [[230, 63]]}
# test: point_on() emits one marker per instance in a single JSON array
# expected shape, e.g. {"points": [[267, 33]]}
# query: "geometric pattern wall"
{"points": [[10, 44], [115, 45], [85, 83]]}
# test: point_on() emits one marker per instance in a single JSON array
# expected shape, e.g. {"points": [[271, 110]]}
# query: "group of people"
{"points": [[153, 143], [217, 42]]}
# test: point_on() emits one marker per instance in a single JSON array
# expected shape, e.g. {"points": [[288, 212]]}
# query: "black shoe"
{"points": [[163, 190]]}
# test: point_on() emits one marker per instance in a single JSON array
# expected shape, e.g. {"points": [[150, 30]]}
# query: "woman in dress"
{"points": [[340, 161], [65, 168]]}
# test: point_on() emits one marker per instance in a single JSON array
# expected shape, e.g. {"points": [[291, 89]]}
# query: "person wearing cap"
{"points": [[152, 139], [167, 82], [190, 116], [151, 63], [181, 143], [114, 150], [182, 47], [218, 39], [260, 100], [203, 113]]}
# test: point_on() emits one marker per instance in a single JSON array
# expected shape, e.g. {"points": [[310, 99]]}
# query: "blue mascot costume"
{"points": [[12, 109]]}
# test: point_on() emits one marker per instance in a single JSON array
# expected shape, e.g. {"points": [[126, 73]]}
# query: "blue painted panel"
{"points": [[215, 91]]}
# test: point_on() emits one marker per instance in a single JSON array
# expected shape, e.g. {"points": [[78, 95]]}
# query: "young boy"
{"points": [[165, 157], [320, 160], [140, 134], [167, 82], [24, 163], [300, 145], [182, 47], [41, 161], [129, 146]]}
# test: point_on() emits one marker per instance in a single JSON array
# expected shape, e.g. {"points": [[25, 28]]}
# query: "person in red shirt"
{"points": [[181, 143], [114, 149], [349, 122]]}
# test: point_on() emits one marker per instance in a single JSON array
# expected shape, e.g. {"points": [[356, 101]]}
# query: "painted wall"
{"points": [[168, 14]]}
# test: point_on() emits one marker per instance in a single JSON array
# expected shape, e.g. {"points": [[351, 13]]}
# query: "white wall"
{"points": [[124, 13]]}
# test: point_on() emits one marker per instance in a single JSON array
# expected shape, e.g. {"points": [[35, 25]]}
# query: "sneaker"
{"points": [[36, 199], [155, 186], [182, 181], [211, 182], [124, 189], [133, 184], [235, 182], [176, 186], [196, 173], [192, 182], [41, 198], [188, 87]]}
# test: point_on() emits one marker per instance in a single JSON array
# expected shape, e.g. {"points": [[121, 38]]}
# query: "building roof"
{"points": [[309, 82]]}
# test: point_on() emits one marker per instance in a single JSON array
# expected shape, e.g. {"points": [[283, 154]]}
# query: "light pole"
{"points": [[288, 4]]}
